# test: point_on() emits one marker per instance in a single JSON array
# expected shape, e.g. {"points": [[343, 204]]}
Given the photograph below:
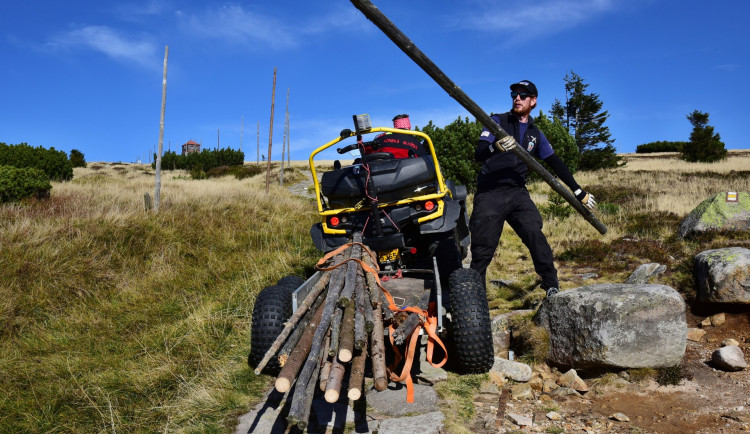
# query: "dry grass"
{"points": [[114, 319], [642, 206]]}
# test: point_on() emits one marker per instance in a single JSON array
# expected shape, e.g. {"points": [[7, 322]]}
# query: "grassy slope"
{"points": [[115, 319]]}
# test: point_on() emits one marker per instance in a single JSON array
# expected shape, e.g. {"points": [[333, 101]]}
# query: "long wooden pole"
{"points": [[410, 49], [270, 134], [257, 147], [283, 143], [157, 186]]}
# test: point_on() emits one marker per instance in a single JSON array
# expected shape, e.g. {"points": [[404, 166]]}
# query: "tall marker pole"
{"points": [[157, 187]]}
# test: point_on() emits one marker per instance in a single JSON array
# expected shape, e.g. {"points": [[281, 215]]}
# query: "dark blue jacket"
{"points": [[505, 169]]}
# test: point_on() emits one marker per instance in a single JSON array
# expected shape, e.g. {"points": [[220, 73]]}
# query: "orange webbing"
{"points": [[428, 321]]}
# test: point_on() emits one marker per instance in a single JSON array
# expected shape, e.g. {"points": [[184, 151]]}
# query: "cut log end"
{"points": [[282, 359], [256, 372], [345, 356], [381, 384], [332, 395], [359, 344], [283, 385], [354, 394]]}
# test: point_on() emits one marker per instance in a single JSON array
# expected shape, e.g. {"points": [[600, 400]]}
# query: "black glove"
{"points": [[587, 199]]}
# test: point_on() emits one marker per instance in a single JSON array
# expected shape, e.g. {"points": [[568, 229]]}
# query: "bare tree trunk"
{"points": [[270, 135], [296, 409], [360, 335], [335, 378], [292, 321], [157, 188], [257, 147], [346, 341], [299, 355], [357, 375], [377, 351], [291, 342]]}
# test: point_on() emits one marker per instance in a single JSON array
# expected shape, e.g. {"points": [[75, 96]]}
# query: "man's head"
{"points": [[402, 122], [524, 96]]}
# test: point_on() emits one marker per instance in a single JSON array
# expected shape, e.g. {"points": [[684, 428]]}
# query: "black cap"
{"points": [[525, 85]]}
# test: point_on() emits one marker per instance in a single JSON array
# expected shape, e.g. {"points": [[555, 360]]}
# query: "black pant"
{"points": [[514, 205]]}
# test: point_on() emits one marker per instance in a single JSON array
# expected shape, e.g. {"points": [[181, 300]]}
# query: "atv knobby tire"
{"points": [[273, 307], [291, 282], [472, 349]]}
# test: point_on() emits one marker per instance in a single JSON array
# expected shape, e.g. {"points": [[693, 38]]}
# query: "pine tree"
{"points": [[704, 145], [582, 114]]}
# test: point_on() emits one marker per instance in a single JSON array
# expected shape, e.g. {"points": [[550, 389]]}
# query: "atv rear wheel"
{"points": [[291, 282], [273, 307], [470, 329]]}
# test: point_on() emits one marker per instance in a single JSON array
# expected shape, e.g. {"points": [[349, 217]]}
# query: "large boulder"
{"points": [[615, 325], [723, 275], [726, 211]]}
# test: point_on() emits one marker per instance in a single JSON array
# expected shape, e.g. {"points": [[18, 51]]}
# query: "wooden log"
{"points": [[357, 375], [309, 393], [366, 306], [297, 409], [412, 321], [293, 340], [299, 355], [333, 348], [377, 351], [360, 334], [350, 281], [324, 372], [335, 378], [387, 313], [346, 340], [372, 283], [294, 319]]}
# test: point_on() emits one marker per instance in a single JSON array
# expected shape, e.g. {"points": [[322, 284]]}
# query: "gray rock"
{"points": [[502, 322], [519, 419], [723, 275], [615, 326], [718, 212], [516, 371], [428, 423], [429, 373], [646, 272], [392, 401], [730, 358]]}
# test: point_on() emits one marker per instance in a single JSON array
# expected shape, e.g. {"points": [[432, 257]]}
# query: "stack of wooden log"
{"points": [[331, 333]]}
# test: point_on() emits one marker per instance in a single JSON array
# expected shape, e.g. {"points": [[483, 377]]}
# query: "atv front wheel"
{"points": [[273, 307], [471, 329]]}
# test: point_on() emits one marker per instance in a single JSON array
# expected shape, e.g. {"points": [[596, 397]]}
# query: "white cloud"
{"points": [[109, 42], [240, 25], [533, 18]]}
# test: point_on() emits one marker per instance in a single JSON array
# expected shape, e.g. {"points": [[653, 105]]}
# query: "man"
{"points": [[400, 145], [501, 192]]}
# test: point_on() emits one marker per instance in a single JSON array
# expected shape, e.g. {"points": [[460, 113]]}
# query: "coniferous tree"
{"points": [[704, 145], [582, 114], [77, 159]]}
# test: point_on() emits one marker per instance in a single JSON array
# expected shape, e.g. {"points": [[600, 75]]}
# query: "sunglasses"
{"points": [[523, 95]]}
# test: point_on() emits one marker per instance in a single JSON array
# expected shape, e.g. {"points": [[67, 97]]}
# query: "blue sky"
{"points": [[87, 75]]}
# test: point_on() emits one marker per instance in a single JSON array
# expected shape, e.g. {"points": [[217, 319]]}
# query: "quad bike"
{"points": [[416, 222]]}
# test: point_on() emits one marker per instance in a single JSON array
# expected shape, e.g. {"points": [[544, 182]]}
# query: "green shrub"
{"points": [[454, 146], [77, 159], [556, 208], [201, 161], [19, 183], [562, 142], [660, 146], [53, 163]]}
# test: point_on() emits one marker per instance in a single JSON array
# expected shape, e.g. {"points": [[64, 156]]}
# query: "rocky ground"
{"points": [[521, 398], [706, 400]]}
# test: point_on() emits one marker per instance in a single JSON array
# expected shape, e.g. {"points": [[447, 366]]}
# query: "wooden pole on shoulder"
{"points": [[410, 49]]}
